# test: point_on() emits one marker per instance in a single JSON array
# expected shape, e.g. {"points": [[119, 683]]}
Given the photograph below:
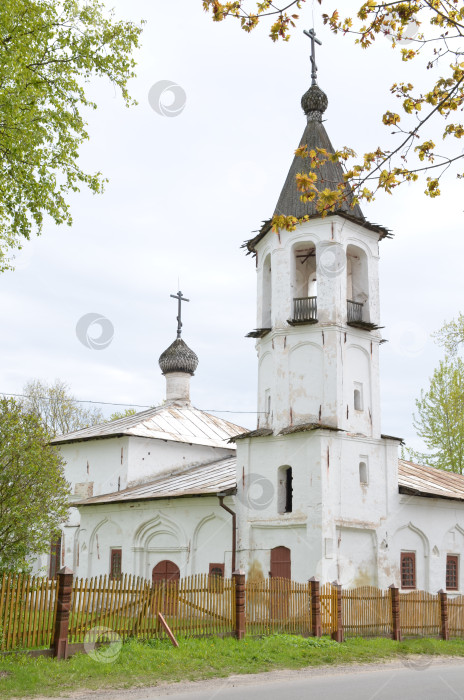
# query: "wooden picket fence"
{"points": [[328, 598], [202, 605], [27, 611], [420, 614], [277, 605], [196, 605], [456, 616], [367, 612]]}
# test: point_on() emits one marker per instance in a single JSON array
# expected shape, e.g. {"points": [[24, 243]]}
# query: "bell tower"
{"points": [[324, 469], [318, 305]]}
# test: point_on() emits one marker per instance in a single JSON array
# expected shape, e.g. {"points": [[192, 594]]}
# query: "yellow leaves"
{"points": [[391, 118], [286, 223], [432, 189], [306, 184], [408, 54], [410, 105], [425, 150], [387, 181], [328, 200], [302, 151], [249, 23], [457, 130]]}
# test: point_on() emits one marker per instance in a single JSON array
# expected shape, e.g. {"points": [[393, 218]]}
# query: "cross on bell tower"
{"points": [[312, 35], [180, 298]]}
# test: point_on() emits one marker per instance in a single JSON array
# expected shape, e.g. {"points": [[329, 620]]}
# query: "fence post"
{"points": [[240, 592], [315, 607], [63, 605], [444, 614], [395, 607], [337, 635]]}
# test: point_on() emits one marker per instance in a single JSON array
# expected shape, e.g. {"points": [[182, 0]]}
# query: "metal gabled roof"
{"points": [[207, 480], [168, 422], [419, 480], [220, 477]]}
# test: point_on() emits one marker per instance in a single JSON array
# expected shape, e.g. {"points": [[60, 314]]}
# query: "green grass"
{"points": [[149, 663]]}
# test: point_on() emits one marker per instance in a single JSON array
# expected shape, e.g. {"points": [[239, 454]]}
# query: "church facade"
{"points": [[317, 489]]}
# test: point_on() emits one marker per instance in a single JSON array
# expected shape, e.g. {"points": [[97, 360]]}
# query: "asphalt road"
{"points": [[427, 679]]}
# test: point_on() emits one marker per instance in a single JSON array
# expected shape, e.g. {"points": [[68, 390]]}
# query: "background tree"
{"points": [[429, 32], [122, 414], [451, 335], [440, 417], [57, 408], [33, 489], [48, 51]]}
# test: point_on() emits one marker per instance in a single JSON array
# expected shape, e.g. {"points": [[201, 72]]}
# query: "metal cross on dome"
{"points": [[180, 298], [312, 35]]}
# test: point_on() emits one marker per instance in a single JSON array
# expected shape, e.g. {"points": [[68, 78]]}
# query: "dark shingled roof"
{"points": [[314, 103], [178, 358], [328, 175]]}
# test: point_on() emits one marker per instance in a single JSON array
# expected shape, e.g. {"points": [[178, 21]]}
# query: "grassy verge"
{"points": [[149, 663]]}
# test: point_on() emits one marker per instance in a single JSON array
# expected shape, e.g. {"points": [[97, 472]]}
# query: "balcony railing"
{"points": [[305, 310], [354, 311]]}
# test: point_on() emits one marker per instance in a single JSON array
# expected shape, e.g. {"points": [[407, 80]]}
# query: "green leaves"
{"points": [[440, 416], [47, 54], [33, 489]]}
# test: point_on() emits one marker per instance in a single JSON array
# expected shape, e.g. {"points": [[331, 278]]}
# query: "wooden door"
{"points": [[165, 577], [280, 574], [281, 566]]}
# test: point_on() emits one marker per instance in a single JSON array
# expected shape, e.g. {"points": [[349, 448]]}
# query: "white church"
{"points": [[316, 489]]}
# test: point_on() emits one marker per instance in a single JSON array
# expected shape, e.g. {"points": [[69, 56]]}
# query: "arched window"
{"points": [[363, 476], [358, 397], [285, 490], [266, 321]]}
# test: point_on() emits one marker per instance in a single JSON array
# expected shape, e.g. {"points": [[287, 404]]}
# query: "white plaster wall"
{"points": [[261, 526], [191, 532], [302, 385], [149, 458], [96, 463]]}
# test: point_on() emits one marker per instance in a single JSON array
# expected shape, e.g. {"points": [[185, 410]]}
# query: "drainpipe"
{"points": [[221, 497]]}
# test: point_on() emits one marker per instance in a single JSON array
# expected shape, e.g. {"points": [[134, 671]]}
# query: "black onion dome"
{"points": [[178, 358], [314, 103]]}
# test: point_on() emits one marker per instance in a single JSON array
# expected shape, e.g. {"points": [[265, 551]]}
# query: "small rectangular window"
{"points": [[216, 578], [116, 564], [55, 557], [408, 570], [452, 572], [289, 491]]}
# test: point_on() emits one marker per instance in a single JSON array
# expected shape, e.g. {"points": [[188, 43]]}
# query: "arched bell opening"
{"points": [[357, 286], [304, 283]]}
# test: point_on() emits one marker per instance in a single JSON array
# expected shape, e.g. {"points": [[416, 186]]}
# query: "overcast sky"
{"points": [[185, 191]]}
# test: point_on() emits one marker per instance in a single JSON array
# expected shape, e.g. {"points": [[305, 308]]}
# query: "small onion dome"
{"points": [[178, 358], [314, 103]]}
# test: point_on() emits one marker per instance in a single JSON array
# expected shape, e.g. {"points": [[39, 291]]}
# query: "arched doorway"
{"points": [[280, 574], [165, 577], [165, 571], [281, 566]]}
